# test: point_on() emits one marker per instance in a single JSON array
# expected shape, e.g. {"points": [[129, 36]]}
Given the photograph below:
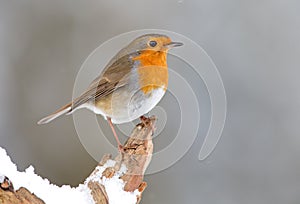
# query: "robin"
{"points": [[131, 84]]}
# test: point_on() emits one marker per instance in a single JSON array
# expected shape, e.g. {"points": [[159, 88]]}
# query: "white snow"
{"points": [[2, 177], [53, 194], [114, 186]]}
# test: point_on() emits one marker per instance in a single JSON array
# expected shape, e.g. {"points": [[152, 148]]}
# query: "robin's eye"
{"points": [[152, 43]]}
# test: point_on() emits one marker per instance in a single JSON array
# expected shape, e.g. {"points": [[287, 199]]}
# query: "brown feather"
{"points": [[113, 78], [102, 86], [63, 110]]}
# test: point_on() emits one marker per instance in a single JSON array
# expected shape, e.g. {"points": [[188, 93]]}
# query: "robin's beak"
{"points": [[173, 44]]}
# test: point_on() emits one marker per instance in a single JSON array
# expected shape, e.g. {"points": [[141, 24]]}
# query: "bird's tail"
{"points": [[62, 111]]}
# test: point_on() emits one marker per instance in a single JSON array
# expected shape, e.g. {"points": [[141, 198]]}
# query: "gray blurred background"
{"points": [[255, 45]]}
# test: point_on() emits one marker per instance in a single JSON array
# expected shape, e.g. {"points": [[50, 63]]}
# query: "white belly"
{"points": [[126, 108], [138, 105]]}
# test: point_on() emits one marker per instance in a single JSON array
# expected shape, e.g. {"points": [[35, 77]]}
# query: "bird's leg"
{"points": [[145, 120], [120, 146]]}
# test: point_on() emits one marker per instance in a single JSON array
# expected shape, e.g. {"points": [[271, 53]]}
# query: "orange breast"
{"points": [[152, 70]]}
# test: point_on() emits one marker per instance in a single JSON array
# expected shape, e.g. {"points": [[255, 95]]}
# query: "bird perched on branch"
{"points": [[131, 84]]}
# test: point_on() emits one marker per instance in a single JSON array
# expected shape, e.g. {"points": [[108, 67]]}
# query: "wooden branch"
{"points": [[21, 196], [136, 156]]}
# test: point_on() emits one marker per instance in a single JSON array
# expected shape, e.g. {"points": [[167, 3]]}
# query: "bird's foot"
{"points": [[146, 121], [121, 148]]}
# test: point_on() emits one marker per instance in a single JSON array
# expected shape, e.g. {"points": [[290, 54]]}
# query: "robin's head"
{"points": [[152, 42]]}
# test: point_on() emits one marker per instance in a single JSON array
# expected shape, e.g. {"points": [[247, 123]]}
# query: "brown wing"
{"points": [[116, 75]]}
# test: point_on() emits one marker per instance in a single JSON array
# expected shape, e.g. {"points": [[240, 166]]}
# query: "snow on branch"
{"points": [[113, 181]]}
